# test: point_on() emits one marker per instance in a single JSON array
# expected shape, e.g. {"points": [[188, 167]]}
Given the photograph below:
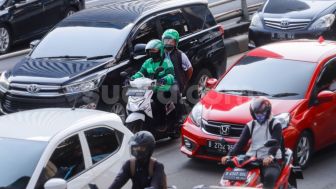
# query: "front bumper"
{"points": [[262, 36]]}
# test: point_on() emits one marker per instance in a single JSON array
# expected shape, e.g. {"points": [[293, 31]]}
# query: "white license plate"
{"points": [[283, 36]]}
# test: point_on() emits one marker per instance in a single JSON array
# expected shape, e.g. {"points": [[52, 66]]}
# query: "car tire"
{"points": [[5, 39], [119, 109], [69, 11], [303, 150], [199, 81]]}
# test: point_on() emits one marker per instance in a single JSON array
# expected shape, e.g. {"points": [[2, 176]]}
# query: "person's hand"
{"points": [[224, 160], [268, 160]]}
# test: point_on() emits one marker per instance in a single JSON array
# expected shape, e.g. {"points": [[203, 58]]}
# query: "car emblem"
{"points": [[284, 23], [225, 130], [33, 89]]}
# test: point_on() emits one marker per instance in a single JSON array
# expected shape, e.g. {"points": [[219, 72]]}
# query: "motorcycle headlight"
{"points": [[256, 21], [4, 83], [284, 119], [84, 86], [196, 114], [323, 22]]}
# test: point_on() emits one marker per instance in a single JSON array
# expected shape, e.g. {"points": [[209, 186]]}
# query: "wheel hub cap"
{"points": [[4, 39]]}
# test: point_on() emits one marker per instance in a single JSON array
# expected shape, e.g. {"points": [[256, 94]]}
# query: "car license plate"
{"points": [[236, 174], [283, 36], [135, 92], [220, 146]]}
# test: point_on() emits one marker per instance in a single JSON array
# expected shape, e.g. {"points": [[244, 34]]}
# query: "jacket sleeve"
{"points": [[142, 72], [159, 177], [123, 176], [243, 140], [277, 135], [169, 72]]}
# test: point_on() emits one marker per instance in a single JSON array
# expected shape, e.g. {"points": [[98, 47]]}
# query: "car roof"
{"points": [[125, 12], [300, 50], [43, 124]]}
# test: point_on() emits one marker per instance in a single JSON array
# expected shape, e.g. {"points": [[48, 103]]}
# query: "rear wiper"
{"points": [[64, 56], [285, 94], [99, 57], [246, 92]]}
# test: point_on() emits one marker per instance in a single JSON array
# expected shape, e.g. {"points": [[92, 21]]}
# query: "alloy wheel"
{"points": [[120, 110], [202, 85], [303, 151], [4, 39]]}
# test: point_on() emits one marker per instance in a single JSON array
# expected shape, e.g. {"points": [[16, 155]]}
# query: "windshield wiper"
{"points": [[64, 56], [99, 57], [246, 92], [285, 94]]}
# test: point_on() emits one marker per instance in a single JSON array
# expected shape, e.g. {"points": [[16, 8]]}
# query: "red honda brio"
{"points": [[298, 77]]}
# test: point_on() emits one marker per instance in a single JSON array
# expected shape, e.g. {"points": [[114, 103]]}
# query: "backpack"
{"points": [[271, 129], [150, 170]]}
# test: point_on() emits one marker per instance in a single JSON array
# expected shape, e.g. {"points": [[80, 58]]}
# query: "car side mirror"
{"points": [[271, 143], [139, 49], [123, 74], [55, 183], [325, 96], [34, 43], [210, 83]]}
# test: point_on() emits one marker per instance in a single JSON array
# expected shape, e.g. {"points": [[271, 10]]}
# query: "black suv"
{"points": [[79, 62], [22, 20]]}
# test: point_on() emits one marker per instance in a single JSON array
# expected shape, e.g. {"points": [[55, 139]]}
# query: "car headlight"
{"points": [[4, 83], [256, 21], [284, 119], [323, 22], [196, 114], [84, 86]]}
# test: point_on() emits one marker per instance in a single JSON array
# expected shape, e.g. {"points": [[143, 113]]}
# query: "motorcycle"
{"points": [[140, 114], [244, 171]]}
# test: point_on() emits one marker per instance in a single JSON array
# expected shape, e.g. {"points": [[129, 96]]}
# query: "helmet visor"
{"points": [[169, 43]]}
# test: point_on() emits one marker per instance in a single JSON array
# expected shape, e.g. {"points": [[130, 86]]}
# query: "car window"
{"points": [[102, 143], [199, 17], [210, 19], [145, 33], [174, 20], [66, 162], [327, 79]]}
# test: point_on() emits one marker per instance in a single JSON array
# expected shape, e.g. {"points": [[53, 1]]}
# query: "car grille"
{"points": [[290, 24], [35, 90], [214, 128]]}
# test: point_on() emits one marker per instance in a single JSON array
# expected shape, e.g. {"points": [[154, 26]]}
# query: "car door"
{"points": [[322, 114], [67, 161], [53, 10], [105, 153], [27, 18]]}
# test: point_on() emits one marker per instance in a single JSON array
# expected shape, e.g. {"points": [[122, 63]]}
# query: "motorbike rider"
{"points": [[183, 68], [144, 171], [262, 128]]}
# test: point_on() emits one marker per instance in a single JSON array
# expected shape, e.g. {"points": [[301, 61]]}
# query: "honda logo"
{"points": [[225, 130], [284, 23], [33, 89]]}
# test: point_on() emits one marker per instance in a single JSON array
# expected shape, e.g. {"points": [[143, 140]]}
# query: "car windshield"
{"points": [[18, 161], [274, 78], [80, 40]]}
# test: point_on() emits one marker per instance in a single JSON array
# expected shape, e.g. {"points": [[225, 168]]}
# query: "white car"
{"points": [[79, 146]]}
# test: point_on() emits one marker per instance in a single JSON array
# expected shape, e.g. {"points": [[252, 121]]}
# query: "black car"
{"points": [[293, 19], [22, 20], [79, 62]]}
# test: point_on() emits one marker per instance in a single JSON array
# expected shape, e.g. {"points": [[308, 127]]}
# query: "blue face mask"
{"points": [[261, 118]]}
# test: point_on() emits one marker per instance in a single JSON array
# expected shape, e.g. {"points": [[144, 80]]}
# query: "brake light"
{"points": [[221, 29]]}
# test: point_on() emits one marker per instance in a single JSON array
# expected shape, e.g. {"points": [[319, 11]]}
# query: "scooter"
{"points": [[140, 115]]}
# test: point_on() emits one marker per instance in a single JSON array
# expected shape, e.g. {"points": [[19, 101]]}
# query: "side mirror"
{"points": [[123, 74], [55, 183], [325, 96], [211, 82], [34, 43], [139, 49], [271, 143]]}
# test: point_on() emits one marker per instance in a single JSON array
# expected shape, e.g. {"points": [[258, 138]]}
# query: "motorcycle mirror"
{"points": [[271, 143], [123, 74]]}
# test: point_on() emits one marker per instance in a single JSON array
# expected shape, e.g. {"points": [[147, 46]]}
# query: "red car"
{"points": [[298, 77]]}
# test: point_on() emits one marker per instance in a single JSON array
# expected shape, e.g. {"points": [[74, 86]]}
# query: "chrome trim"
{"points": [[39, 94], [42, 87], [292, 24], [204, 122]]}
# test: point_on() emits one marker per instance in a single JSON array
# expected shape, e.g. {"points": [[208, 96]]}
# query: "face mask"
{"points": [[261, 118], [155, 56], [169, 48]]}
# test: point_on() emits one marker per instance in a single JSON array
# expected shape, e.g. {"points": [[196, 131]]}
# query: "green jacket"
{"points": [[148, 69]]}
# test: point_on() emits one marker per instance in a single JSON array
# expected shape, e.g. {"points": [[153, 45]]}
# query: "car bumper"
{"points": [[259, 37]]}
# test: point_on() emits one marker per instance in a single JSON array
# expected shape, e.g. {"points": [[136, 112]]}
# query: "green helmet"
{"points": [[171, 34], [155, 44]]}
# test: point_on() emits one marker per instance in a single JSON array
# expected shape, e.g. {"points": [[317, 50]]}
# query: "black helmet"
{"points": [[260, 109], [142, 145]]}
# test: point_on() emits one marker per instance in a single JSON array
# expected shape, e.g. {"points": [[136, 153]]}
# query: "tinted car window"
{"points": [[285, 79], [102, 143], [146, 32], [196, 17], [327, 79], [210, 19], [174, 20], [18, 161], [66, 161]]}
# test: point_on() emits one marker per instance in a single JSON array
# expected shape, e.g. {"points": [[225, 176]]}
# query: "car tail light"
{"points": [[221, 29]]}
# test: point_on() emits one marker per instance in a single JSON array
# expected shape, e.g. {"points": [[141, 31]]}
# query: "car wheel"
{"points": [[5, 40], [119, 109], [200, 83], [303, 150], [70, 11]]}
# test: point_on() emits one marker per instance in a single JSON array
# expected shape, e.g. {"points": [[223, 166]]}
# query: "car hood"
{"points": [[295, 9], [50, 71], [236, 109]]}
